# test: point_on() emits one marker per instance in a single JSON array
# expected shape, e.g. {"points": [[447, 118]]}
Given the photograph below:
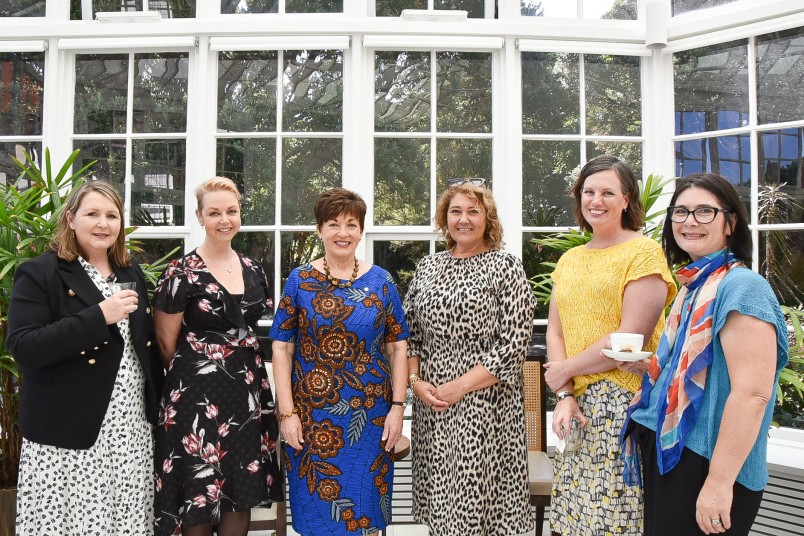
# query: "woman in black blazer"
{"points": [[91, 377]]}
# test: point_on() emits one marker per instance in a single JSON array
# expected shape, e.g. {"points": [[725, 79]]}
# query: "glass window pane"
{"points": [[630, 153], [780, 76], [260, 247], [309, 166], [76, 12], [401, 181], [474, 8], [402, 91], [613, 95], [313, 6], [251, 163], [150, 250], [247, 91], [101, 84], [400, 258], [551, 94], [534, 258], [249, 6], [297, 248], [157, 192], [173, 9], [9, 172], [781, 262], [712, 81], [393, 8], [22, 79], [160, 92], [464, 92], [313, 91], [685, 6], [610, 9], [550, 8], [22, 8], [727, 155], [549, 170], [781, 186], [462, 158], [109, 157]]}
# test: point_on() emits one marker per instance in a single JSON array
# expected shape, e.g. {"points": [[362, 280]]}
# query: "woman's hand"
{"points": [[118, 306], [426, 392], [563, 414], [634, 367], [290, 429], [392, 430], [557, 374], [449, 392], [713, 507]]}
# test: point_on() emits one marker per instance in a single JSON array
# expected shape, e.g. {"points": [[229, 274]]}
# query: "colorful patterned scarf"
{"points": [[686, 348]]}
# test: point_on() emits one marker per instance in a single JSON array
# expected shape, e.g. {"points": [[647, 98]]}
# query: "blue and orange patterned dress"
{"points": [[340, 482]]}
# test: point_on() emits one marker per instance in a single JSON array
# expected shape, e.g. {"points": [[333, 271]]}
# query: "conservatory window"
{"points": [[22, 76], [280, 138], [130, 114]]}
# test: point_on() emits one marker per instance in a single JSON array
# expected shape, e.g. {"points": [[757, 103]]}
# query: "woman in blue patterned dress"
{"points": [[215, 443], [339, 400]]}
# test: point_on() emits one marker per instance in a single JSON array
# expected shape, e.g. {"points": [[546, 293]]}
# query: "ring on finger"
{"points": [[715, 522]]}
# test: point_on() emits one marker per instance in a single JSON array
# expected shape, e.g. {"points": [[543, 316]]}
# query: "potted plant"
{"points": [[28, 215]]}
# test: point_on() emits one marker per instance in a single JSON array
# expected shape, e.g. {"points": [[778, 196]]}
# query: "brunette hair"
{"points": [[492, 234], [737, 218], [332, 203], [216, 184], [634, 213], [64, 242]]}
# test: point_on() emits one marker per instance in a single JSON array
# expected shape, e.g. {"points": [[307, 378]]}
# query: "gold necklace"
{"points": [[231, 261], [337, 282]]}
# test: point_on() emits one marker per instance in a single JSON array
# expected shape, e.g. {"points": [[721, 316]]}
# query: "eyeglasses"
{"points": [[701, 214], [476, 181]]}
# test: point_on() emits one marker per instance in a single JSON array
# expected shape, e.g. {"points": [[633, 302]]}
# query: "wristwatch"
{"points": [[561, 395], [403, 404]]}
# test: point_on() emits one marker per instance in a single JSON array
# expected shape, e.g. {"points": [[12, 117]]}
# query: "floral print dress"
{"points": [[216, 436], [340, 482]]}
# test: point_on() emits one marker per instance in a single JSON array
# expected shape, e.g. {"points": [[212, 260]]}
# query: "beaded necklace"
{"points": [[337, 282]]}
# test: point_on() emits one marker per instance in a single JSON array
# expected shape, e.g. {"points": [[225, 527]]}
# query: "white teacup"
{"points": [[626, 342]]}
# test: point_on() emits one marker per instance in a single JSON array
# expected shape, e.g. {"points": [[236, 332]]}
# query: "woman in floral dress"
{"points": [[215, 442], [340, 401]]}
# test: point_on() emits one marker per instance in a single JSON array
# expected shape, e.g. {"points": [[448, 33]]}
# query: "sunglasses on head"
{"points": [[477, 181]]}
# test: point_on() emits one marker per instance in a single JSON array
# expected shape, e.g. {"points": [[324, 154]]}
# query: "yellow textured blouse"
{"points": [[588, 289]]}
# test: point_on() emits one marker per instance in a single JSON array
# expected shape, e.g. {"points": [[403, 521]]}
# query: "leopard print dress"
{"points": [[470, 474]]}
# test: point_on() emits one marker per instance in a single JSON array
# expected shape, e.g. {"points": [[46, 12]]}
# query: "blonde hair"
{"points": [[493, 232], [216, 184], [64, 242]]}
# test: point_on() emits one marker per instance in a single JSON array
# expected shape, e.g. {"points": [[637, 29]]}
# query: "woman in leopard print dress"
{"points": [[469, 312]]}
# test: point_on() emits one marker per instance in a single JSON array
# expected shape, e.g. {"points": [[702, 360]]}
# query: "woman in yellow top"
{"points": [[618, 282]]}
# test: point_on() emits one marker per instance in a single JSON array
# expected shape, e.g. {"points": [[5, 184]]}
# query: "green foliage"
{"points": [[789, 410]]}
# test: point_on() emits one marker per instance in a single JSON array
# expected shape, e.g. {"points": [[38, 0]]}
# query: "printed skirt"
{"points": [[590, 497]]}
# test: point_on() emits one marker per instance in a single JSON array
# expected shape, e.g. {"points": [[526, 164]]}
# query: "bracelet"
{"points": [[283, 416], [561, 395], [413, 378], [398, 403]]}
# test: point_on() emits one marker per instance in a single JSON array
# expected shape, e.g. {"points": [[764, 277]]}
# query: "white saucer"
{"points": [[626, 356]]}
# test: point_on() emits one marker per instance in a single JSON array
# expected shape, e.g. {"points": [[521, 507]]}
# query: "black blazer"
{"points": [[68, 355]]}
